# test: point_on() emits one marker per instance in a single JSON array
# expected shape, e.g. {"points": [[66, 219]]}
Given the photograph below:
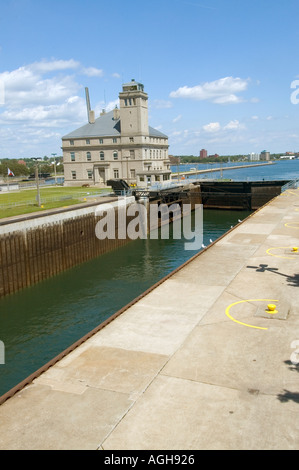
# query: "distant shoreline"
{"points": [[196, 172]]}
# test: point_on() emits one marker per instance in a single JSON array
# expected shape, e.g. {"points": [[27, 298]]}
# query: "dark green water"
{"points": [[42, 321]]}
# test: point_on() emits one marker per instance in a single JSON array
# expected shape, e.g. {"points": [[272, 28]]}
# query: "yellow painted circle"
{"points": [[292, 226], [280, 248], [227, 312]]}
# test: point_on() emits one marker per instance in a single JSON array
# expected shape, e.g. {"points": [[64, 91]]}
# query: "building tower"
{"points": [[133, 110]]}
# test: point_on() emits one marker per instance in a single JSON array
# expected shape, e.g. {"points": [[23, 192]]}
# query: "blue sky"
{"points": [[218, 72]]}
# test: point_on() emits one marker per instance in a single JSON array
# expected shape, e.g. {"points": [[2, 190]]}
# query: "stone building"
{"points": [[117, 145]]}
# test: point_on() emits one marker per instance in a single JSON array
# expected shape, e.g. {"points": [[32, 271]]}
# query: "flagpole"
{"points": [[37, 180], [37, 185], [7, 177]]}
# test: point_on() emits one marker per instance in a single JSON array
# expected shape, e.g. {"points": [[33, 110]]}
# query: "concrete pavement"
{"points": [[198, 363]]}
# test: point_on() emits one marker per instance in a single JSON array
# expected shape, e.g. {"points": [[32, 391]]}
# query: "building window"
{"points": [[131, 139], [141, 178], [87, 141], [114, 140], [126, 102], [132, 154], [88, 156], [74, 175], [116, 173], [73, 157], [102, 156], [89, 174], [133, 173], [72, 142], [165, 177], [115, 155], [101, 141]]}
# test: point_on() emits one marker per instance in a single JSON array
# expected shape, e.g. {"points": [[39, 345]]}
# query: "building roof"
{"points": [[103, 126]]}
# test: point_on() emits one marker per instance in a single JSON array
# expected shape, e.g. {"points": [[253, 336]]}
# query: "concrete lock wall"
{"points": [[36, 249]]}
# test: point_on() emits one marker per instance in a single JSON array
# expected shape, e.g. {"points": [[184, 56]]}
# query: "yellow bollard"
{"points": [[271, 309]]}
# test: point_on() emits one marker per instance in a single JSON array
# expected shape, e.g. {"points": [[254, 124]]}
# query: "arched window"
{"points": [[102, 155], [115, 155], [88, 156]]}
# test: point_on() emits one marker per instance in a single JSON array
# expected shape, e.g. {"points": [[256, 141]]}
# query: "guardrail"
{"points": [[294, 184]]}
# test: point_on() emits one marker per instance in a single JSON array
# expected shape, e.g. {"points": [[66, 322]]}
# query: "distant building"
{"points": [[265, 155], [254, 157], [203, 153], [118, 144]]}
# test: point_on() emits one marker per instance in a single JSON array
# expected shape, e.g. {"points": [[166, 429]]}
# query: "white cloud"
{"points": [[106, 106], [92, 72], [54, 115], [233, 125], [27, 85], [212, 127], [42, 101], [176, 133], [178, 118], [222, 91], [53, 65]]}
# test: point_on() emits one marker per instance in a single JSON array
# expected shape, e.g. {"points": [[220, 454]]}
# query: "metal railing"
{"points": [[294, 184]]}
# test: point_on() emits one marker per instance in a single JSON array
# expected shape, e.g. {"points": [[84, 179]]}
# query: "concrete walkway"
{"points": [[198, 363]]}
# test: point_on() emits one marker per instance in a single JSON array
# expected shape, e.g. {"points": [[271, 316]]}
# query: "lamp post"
{"points": [[37, 180], [54, 163]]}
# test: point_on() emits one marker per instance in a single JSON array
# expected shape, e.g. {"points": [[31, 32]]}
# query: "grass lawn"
{"points": [[24, 202]]}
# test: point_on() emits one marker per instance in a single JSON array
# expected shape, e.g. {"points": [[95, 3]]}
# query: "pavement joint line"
{"points": [[139, 394]]}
